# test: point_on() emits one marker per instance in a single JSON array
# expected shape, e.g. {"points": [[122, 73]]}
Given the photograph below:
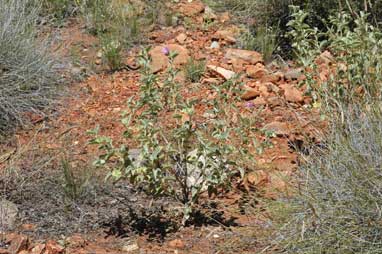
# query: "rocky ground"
{"points": [[271, 94]]}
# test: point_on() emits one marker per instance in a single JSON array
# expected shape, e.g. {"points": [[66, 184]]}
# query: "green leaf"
{"points": [[116, 174]]}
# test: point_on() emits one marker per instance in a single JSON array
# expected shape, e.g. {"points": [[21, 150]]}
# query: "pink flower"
{"points": [[249, 104], [166, 51]]}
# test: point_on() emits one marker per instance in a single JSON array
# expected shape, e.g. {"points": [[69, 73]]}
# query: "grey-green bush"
{"points": [[339, 207], [27, 77]]}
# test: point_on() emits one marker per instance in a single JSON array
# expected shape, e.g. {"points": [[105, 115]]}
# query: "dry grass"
{"points": [[28, 81]]}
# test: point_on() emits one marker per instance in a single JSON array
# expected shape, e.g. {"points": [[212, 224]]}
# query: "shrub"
{"points": [[261, 14], [111, 51], [194, 70], [59, 9], [97, 15], [356, 51], [263, 40], [28, 81], [74, 184], [337, 206], [172, 151]]}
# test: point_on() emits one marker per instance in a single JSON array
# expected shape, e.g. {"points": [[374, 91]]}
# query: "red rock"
{"points": [[160, 61], [177, 244], [324, 74], [76, 241], [38, 249], [325, 58], [158, 36], [225, 35], [9, 237], [257, 71], [226, 74], [273, 87], [180, 77], [214, 81], [259, 101], [279, 128], [224, 17], [52, 247], [181, 38], [250, 93], [191, 8], [292, 94], [238, 65], [265, 90], [3, 251], [183, 54], [285, 164], [252, 83], [257, 178], [273, 77], [308, 100], [251, 57], [293, 74], [18, 243], [275, 101], [28, 227]]}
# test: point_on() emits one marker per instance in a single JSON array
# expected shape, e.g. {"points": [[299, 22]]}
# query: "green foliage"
{"points": [[119, 24], [56, 8], [337, 207], [115, 18], [356, 51], [97, 14], [73, 184], [28, 80], [177, 155], [306, 41], [111, 52], [360, 50], [59, 9], [263, 40], [123, 19], [194, 70], [264, 14]]}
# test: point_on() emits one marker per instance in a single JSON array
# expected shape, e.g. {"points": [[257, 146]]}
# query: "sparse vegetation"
{"points": [[111, 52], [59, 9], [275, 14], [336, 209], [285, 144], [263, 40], [74, 184], [126, 21], [194, 70]]}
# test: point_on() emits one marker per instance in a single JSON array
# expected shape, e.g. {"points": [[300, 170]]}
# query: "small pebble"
{"points": [[215, 45]]}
